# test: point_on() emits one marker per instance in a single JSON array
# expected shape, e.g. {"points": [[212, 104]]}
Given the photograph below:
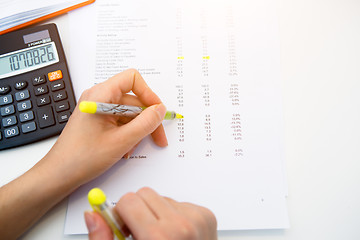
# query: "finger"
{"points": [[123, 120], [142, 125], [171, 201], [101, 92], [157, 204], [132, 100], [131, 80], [97, 227], [135, 213], [175, 204], [121, 83], [195, 212], [190, 208], [159, 136]]}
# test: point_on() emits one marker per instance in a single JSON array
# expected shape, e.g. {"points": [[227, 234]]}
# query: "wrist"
{"points": [[57, 173], [69, 169]]}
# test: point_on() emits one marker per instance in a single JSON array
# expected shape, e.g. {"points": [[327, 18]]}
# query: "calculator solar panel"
{"points": [[36, 94]]}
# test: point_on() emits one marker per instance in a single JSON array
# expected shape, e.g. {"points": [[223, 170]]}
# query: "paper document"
{"points": [[16, 12], [218, 64]]}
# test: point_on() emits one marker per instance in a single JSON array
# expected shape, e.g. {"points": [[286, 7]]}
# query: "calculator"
{"points": [[36, 94]]}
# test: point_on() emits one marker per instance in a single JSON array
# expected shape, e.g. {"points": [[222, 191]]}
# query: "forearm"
{"points": [[26, 199]]}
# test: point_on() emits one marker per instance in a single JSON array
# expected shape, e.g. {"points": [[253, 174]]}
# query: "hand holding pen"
{"points": [[89, 138], [147, 215]]}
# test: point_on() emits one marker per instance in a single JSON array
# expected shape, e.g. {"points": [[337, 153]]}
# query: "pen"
{"points": [[119, 109], [97, 200]]}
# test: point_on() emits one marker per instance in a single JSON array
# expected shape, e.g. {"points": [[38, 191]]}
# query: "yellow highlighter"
{"points": [[119, 109], [97, 200]]}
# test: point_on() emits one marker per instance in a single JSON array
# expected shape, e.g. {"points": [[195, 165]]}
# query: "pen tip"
{"points": [[179, 116]]}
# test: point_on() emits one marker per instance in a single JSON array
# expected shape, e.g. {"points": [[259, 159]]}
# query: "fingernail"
{"points": [[161, 109], [90, 221]]}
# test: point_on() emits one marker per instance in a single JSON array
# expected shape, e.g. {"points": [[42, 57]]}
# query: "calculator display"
{"points": [[28, 59]]}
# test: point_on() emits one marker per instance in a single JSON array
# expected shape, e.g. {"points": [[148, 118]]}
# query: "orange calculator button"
{"points": [[56, 75]]}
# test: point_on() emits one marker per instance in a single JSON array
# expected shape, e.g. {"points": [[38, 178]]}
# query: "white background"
{"points": [[320, 68]]}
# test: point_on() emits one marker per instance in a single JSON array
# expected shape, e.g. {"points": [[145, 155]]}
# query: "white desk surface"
{"points": [[320, 54]]}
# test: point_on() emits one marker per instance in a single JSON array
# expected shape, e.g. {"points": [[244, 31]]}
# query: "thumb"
{"points": [[144, 124], [97, 227]]}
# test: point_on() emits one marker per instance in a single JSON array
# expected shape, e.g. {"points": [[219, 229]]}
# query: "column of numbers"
{"points": [[208, 135], [207, 120], [234, 94], [204, 42], [233, 64], [206, 94], [205, 57], [180, 87], [207, 126], [181, 130], [180, 58], [180, 122], [235, 125], [180, 95], [179, 44]]}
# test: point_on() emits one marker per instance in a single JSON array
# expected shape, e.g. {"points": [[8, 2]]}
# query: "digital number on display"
{"points": [[28, 59]]}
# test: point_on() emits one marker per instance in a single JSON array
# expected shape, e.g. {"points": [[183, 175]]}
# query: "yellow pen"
{"points": [[97, 200]]}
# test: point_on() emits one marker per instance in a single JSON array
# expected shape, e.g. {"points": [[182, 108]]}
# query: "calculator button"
{"points": [[41, 90], [9, 121], [38, 80], [11, 132], [19, 96], [46, 117], [6, 99], [7, 110], [24, 106], [62, 106], [21, 85], [26, 116], [4, 89], [28, 127], [56, 75], [58, 85], [60, 96], [41, 101], [63, 117]]}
